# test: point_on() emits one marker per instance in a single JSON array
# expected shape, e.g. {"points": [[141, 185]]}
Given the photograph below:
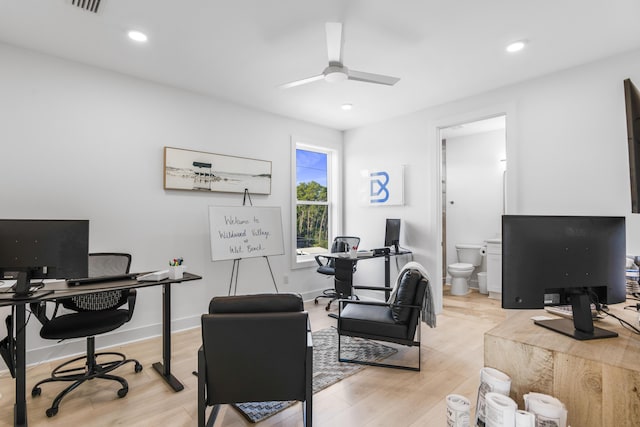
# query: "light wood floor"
{"points": [[452, 355]]}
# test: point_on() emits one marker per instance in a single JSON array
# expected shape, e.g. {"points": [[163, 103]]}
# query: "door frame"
{"points": [[509, 111]]}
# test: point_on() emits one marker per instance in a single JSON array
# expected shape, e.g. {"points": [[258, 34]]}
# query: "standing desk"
{"points": [[56, 290], [344, 269]]}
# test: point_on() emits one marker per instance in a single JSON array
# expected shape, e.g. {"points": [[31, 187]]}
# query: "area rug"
{"points": [[327, 370]]}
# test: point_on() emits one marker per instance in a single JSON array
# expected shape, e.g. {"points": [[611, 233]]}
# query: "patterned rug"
{"points": [[326, 368]]}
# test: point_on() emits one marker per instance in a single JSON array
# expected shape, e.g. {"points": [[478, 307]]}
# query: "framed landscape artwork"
{"points": [[200, 171]]}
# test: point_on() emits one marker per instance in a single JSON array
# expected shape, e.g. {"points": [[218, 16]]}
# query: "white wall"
{"points": [[474, 191], [79, 142], [566, 148]]}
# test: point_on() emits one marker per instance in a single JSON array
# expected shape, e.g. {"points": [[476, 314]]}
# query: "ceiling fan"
{"points": [[336, 71]]}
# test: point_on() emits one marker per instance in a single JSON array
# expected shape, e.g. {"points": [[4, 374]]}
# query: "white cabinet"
{"points": [[494, 268]]}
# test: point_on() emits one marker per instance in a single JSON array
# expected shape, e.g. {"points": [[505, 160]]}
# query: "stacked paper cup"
{"points": [[458, 411], [491, 380], [500, 410], [548, 410], [525, 419]]}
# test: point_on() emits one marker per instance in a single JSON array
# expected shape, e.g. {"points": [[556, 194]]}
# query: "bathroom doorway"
{"points": [[473, 183]]}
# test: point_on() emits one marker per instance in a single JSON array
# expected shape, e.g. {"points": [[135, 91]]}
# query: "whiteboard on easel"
{"points": [[239, 232]]}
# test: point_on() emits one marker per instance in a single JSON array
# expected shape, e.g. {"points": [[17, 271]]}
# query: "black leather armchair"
{"points": [[255, 348], [327, 267], [397, 321], [91, 315]]}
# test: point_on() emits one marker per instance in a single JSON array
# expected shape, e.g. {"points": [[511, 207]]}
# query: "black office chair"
{"points": [[255, 348], [397, 321], [92, 314], [327, 267]]}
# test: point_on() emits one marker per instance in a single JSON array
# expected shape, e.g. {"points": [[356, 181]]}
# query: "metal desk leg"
{"points": [[164, 367], [387, 275], [20, 407]]}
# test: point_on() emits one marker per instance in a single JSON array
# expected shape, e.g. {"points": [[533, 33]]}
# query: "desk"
{"points": [[60, 289], [598, 380], [344, 269]]}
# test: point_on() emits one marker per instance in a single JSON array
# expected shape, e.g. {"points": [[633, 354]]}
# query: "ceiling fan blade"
{"points": [[372, 78], [334, 41], [301, 82]]}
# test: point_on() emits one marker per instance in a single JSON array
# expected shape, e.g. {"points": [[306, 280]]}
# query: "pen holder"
{"points": [[176, 272]]}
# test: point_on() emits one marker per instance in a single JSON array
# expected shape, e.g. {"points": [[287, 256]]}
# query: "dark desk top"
{"points": [[60, 289], [362, 255]]}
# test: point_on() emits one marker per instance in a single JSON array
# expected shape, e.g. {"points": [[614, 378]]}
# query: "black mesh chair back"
{"points": [[340, 244], [102, 264]]}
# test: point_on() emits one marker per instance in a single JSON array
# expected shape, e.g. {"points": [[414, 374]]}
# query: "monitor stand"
{"points": [[581, 327]]}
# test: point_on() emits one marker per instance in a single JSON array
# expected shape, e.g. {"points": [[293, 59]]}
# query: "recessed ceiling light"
{"points": [[347, 107], [137, 36], [516, 46]]}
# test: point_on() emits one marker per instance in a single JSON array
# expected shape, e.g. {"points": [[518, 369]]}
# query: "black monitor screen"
{"points": [[55, 249], [550, 260], [392, 233]]}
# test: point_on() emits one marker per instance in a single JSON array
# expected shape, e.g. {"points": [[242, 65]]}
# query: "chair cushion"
{"points": [[370, 320], [405, 295], [84, 324], [326, 269]]}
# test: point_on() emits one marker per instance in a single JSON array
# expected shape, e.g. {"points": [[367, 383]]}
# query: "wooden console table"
{"points": [[597, 380]]}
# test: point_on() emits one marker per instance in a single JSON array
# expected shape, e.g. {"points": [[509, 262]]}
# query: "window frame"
{"points": [[332, 203]]}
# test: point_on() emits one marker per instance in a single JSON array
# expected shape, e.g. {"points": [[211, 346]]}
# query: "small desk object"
{"points": [[60, 289], [597, 380], [344, 268]]}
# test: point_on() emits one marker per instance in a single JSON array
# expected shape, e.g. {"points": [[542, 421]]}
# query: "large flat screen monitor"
{"points": [[392, 233], [557, 260], [43, 248]]}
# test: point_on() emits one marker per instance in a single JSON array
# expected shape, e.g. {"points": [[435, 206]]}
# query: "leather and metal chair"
{"points": [[397, 321], [255, 348], [90, 315], [326, 266]]}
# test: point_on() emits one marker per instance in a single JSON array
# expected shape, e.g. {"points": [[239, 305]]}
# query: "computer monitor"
{"points": [[392, 233], [557, 260], [43, 248]]}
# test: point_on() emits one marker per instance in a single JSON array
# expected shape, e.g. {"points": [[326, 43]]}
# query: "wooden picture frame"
{"points": [[200, 171]]}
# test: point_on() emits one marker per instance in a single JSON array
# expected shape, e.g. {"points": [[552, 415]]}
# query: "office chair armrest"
{"points": [[131, 302], [317, 258], [39, 309]]}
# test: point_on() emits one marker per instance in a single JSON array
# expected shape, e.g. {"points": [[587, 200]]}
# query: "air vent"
{"points": [[88, 5]]}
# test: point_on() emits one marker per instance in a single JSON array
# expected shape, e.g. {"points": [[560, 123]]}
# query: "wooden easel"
{"points": [[235, 269]]}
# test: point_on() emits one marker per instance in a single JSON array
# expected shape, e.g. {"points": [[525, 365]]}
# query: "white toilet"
{"points": [[469, 257]]}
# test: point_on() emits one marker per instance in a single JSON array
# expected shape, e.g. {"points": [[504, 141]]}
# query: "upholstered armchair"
{"points": [[255, 348]]}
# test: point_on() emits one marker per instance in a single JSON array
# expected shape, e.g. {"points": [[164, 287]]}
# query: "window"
{"points": [[313, 201]]}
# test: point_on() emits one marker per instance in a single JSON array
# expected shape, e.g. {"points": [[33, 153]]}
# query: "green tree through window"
{"points": [[312, 210]]}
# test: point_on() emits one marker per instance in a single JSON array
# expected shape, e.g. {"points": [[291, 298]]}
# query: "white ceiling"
{"points": [[241, 50]]}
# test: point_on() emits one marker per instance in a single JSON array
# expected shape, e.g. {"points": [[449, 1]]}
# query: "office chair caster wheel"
{"points": [[123, 392], [328, 307], [36, 392], [315, 301], [51, 412], [138, 368]]}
